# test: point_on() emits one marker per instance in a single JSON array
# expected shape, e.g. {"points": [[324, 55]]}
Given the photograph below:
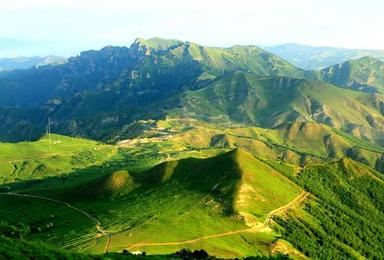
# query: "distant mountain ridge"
{"points": [[98, 94], [142, 66], [365, 74], [270, 102], [7, 64], [112, 84], [231, 150], [309, 57]]}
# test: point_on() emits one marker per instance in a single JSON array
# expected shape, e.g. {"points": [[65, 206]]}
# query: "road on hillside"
{"points": [[95, 220], [98, 225], [255, 228]]}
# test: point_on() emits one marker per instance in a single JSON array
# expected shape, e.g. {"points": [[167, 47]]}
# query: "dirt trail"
{"points": [[297, 200], [106, 249], [103, 232], [255, 228], [95, 220]]}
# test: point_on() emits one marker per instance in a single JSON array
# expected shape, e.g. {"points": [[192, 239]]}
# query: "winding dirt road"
{"points": [[95, 220], [103, 232], [255, 228]]}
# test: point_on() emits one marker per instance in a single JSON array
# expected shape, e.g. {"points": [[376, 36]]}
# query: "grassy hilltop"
{"points": [[222, 200], [176, 145]]}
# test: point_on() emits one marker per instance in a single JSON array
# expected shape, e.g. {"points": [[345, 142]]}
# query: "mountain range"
{"points": [[117, 85], [177, 145]]}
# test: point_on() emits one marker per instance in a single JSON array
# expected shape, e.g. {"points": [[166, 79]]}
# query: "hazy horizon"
{"points": [[42, 27], [38, 53]]}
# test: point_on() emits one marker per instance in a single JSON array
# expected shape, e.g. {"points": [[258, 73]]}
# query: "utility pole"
{"points": [[49, 134]]}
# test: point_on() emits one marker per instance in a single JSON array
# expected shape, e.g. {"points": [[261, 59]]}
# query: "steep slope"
{"points": [[217, 61], [214, 203], [234, 179], [109, 86], [217, 200], [49, 85], [269, 102], [146, 69], [193, 198], [365, 74], [297, 143], [345, 215]]}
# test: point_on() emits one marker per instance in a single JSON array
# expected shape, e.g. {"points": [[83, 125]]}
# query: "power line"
{"points": [[49, 134]]}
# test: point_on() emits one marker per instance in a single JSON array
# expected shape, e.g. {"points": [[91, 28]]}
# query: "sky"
{"points": [[66, 27]]}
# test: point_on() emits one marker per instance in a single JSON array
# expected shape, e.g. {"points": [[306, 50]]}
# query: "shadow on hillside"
{"points": [[201, 176]]}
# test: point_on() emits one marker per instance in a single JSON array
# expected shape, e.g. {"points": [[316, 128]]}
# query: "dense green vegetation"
{"points": [[99, 93], [138, 202], [11, 248], [161, 201], [345, 216], [213, 152], [112, 190], [247, 99], [365, 74]]}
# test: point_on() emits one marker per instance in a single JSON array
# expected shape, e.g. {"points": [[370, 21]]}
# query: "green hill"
{"points": [[297, 143], [175, 201], [216, 61], [98, 92], [230, 150], [271, 101], [191, 199], [225, 203], [365, 74], [119, 181], [50, 156]]}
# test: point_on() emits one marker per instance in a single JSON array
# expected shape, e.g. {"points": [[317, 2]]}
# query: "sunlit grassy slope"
{"points": [[297, 143], [172, 202], [214, 61], [226, 151], [182, 200], [49, 157], [247, 99], [195, 183], [365, 74]]}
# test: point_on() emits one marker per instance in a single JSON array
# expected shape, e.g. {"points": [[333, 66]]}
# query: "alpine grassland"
{"points": [[169, 149]]}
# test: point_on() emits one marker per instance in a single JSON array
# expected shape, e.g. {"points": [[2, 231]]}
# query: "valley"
{"points": [[167, 145], [150, 190], [115, 235]]}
